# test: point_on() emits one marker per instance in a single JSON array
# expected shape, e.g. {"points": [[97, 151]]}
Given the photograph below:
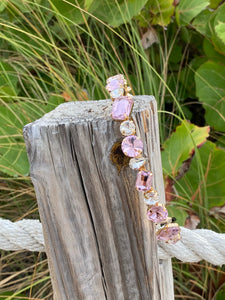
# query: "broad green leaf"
{"points": [[156, 12], [210, 90], [188, 9], [3, 5], [200, 22], [181, 146], [211, 52], [217, 36], [161, 11], [116, 13], [178, 212], [220, 30], [13, 157], [213, 164], [73, 10]]}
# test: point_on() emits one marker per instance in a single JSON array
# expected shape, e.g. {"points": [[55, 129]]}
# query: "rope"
{"points": [[21, 235], [194, 245]]}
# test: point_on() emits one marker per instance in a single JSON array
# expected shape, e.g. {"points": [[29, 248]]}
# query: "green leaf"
{"points": [[178, 212], [71, 10], [188, 9], [181, 146], [161, 11], [210, 90], [211, 52], [217, 36], [213, 163], [200, 22], [220, 31], [116, 13], [13, 157]]}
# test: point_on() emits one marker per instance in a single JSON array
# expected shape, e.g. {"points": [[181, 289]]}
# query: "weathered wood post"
{"points": [[98, 241]]}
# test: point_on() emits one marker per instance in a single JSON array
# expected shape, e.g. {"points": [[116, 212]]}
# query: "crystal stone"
{"points": [[115, 82], [127, 128], [144, 181], [151, 197], [137, 162], [157, 213], [122, 107], [132, 146], [117, 93], [169, 233]]}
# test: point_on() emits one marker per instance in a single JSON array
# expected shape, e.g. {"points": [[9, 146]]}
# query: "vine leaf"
{"points": [[188, 9], [210, 190], [181, 146]]}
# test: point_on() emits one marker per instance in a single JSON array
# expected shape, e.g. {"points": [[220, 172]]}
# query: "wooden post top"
{"points": [[87, 111]]}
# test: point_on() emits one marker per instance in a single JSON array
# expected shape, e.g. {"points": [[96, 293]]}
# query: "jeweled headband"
{"points": [[132, 146]]}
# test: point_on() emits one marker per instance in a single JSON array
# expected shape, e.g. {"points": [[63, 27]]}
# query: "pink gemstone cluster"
{"points": [[132, 146]]}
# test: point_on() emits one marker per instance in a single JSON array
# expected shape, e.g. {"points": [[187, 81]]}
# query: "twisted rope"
{"points": [[194, 246]]}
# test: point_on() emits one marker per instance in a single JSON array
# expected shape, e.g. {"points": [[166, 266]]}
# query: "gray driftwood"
{"points": [[99, 244]]}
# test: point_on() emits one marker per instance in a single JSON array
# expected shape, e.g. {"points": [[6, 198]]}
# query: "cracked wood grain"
{"points": [[98, 242]]}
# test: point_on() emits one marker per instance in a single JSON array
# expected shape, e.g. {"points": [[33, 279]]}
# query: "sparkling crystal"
{"points": [[151, 197], [157, 213], [169, 233], [122, 107], [144, 181], [112, 78], [127, 128], [132, 146], [117, 93], [137, 162], [115, 82]]}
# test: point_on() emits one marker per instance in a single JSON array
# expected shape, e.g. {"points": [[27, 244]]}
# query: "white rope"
{"points": [[194, 246], [21, 235]]}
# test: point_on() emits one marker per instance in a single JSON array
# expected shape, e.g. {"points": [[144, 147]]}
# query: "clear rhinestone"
{"points": [[117, 93], [137, 162], [151, 197], [127, 128]]}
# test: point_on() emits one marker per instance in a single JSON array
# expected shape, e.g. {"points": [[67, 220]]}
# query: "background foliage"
{"points": [[63, 50]]}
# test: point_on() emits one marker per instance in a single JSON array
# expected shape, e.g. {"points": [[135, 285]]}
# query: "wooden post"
{"points": [[98, 241]]}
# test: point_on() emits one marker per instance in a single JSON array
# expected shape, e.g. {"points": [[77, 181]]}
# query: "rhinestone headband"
{"points": [[132, 146]]}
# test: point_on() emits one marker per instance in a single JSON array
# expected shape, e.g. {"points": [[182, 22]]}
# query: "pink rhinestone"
{"points": [[169, 233], [132, 146], [115, 82], [118, 76], [144, 181], [157, 213], [121, 108]]}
